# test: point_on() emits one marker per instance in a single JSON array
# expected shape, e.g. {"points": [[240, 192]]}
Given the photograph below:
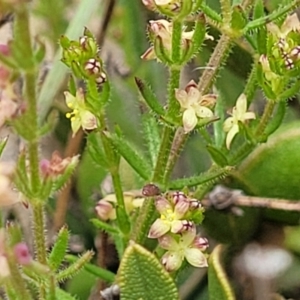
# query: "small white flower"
{"points": [[239, 114], [194, 105], [183, 248]]}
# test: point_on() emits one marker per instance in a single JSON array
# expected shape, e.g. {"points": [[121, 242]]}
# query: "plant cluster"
{"points": [[157, 229]]}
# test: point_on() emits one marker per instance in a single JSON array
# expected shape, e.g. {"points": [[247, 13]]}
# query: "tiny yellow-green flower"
{"points": [[80, 115]]}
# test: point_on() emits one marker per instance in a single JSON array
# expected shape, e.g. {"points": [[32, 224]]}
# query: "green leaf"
{"points": [[141, 276], [261, 36], [21, 179], [59, 249], [151, 134], [219, 133], [212, 175], [161, 52], [134, 159], [95, 150], [97, 271], [290, 92], [104, 226], [218, 283], [275, 15], [277, 118], [75, 267], [238, 18], [212, 14], [72, 85], [149, 97], [217, 155], [62, 295], [198, 38]]}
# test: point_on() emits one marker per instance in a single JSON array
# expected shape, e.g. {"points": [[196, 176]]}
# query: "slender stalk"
{"points": [[173, 104], [176, 40], [226, 10], [39, 233], [177, 146], [268, 111], [52, 288], [162, 159], [219, 55]]}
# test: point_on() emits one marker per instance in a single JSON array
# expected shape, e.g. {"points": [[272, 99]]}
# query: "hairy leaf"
{"points": [[141, 276]]}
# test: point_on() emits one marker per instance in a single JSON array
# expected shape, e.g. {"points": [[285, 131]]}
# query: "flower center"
{"points": [[72, 115], [168, 216]]}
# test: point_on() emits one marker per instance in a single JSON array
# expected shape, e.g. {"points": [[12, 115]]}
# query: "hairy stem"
{"points": [[268, 111], [219, 55], [40, 240]]}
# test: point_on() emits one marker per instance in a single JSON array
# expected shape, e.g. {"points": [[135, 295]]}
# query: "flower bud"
{"points": [[105, 210], [200, 243], [22, 254]]}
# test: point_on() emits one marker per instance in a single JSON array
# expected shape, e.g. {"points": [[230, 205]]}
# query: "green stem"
{"points": [[40, 241], [268, 111], [124, 223], [219, 55], [226, 10], [173, 104], [176, 41], [30, 95], [177, 146], [39, 233], [162, 159], [52, 288]]}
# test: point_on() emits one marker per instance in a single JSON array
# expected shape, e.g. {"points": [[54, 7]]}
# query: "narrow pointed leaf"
{"points": [[95, 150], [238, 18], [277, 118], [104, 226], [134, 159], [161, 52], [209, 176], [218, 283], [217, 155], [96, 271], [75, 267], [151, 135], [149, 97], [199, 32], [141, 276], [59, 249]]}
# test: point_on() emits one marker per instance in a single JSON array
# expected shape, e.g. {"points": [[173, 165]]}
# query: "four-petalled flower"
{"points": [[194, 105], [171, 219], [185, 246], [239, 114], [80, 116]]}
